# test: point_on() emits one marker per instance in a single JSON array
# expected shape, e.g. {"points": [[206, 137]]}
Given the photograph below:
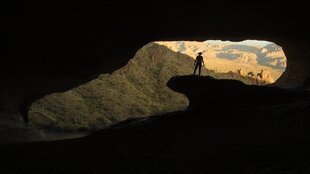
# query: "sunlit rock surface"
{"points": [[136, 90]]}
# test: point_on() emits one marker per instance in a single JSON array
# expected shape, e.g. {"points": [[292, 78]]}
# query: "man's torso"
{"points": [[199, 59]]}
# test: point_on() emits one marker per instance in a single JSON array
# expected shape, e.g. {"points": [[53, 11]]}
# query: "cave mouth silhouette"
{"points": [[139, 89]]}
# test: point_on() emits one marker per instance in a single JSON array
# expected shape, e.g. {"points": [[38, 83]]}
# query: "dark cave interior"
{"points": [[60, 47], [51, 48]]}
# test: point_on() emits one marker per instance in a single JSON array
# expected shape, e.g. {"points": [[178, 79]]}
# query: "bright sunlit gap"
{"points": [[250, 58]]}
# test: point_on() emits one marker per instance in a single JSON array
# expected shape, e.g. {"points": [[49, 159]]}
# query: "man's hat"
{"points": [[200, 53]]}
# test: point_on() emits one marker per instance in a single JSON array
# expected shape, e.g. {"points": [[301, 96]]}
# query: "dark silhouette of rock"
{"points": [[57, 47], [207, 91], [45, 53], [250, 134]]}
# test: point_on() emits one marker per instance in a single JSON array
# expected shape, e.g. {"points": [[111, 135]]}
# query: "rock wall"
{"points": [[50, 47]]}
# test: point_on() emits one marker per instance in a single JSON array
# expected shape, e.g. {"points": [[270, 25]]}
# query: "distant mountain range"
{"points": [[225, 56]]}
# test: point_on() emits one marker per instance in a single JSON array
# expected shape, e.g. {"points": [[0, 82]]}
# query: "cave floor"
{"points": [[52, 135], [236, 140]]}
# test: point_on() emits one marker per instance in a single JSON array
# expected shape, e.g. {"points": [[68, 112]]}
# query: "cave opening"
{"points": [[139, 89], [254, 62]]}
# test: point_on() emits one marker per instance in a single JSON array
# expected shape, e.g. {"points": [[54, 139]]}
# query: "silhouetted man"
{"points": [[198, 63]]}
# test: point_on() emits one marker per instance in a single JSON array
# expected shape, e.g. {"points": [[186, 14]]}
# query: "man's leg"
{"points": [[199, 69], [195, 69]]}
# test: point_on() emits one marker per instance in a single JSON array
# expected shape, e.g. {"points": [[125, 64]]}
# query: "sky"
{"points": [[258, 43]]}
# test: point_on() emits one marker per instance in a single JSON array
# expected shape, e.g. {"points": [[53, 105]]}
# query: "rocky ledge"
{"points": [[203, 91]]}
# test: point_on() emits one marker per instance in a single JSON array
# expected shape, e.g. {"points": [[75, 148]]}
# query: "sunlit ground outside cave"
{"points": [[139, 89]]}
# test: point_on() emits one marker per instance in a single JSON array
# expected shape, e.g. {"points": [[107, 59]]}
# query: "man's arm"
{"points": [[203, 62]]}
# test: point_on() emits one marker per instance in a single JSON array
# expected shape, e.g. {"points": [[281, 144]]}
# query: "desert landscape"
{"points": [[245, 56]]}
